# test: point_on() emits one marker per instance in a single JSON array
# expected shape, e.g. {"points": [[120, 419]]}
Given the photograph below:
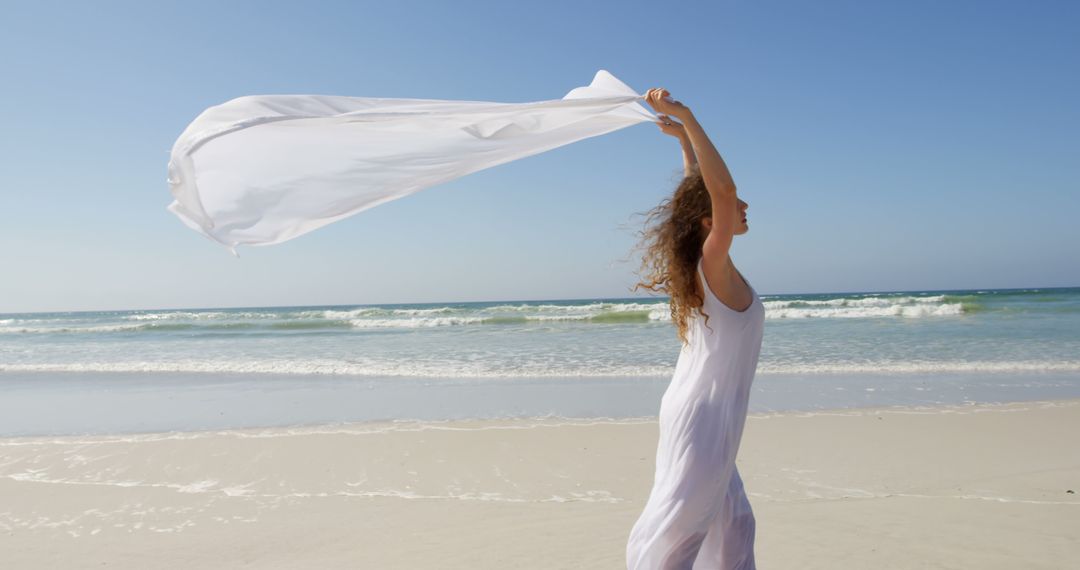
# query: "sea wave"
{"points": [[201, 315], [921, 367], [504, 369], [379, 311], [358, 318], [405, 368], [341, 319], [415, 322], [863, 307], [856, 301], [152, 326]]}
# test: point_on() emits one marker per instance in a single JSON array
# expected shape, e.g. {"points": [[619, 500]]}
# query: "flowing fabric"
{"points": [[264, 169], [698, 515]]}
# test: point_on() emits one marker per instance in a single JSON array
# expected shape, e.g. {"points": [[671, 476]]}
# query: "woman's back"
{"points": [[722, 350]]}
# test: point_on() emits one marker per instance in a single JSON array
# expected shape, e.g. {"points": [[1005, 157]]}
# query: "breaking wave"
{"points": [[496, 368]]}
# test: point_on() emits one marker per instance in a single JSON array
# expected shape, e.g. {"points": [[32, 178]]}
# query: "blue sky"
{"points": [[881, 146]]}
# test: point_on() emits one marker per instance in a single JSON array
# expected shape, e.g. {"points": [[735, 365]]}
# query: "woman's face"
{"points": [[741, 227]]}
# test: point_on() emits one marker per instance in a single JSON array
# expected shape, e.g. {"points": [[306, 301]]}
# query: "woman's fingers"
{"points": [[660, 100], [658, 95], [669, 126], [653, 98]]}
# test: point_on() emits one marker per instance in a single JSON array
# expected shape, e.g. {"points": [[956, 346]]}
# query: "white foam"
{"points": [[590, 308], [862, 307], [220, 315], [530, 308], [364, 368], [916, 367], [869, 301], [70, 329], [542, 318], [187, 316], [369, 311], [509, 370], [416, 322], [658, 312], [858, 306]]}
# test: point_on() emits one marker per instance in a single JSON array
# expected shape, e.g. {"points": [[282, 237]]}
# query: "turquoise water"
{"points": [[608, 356]]}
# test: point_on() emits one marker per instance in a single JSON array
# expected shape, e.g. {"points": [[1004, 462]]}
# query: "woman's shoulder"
{"points": [[725, 285]]}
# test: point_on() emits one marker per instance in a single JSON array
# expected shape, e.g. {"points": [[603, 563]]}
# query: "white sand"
{"points": [[958, 487]]}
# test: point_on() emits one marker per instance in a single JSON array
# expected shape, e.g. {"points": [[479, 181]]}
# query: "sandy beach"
{"points": [[969, 486]]}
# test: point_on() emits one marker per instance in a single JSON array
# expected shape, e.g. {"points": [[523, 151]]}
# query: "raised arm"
{"points": [[714, 171], [675, 129]]}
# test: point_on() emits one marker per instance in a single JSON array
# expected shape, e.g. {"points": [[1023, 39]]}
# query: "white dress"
{"points": [[698, 515]]}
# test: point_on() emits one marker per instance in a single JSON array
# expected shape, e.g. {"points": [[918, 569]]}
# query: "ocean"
{"points": [[198, 369]]}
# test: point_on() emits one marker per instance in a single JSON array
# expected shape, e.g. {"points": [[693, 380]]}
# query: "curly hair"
{"points": [[672, 241]]}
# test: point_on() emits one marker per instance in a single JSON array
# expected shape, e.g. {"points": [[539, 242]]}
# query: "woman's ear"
{"points": [[706, 222]]}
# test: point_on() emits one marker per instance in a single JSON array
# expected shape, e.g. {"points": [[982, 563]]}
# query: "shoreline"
{"points": [[92, 403], [981, 485], [465, 424]]}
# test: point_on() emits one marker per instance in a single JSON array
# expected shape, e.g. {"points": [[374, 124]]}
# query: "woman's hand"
{"points": [[669, 127], [666, 107], [660, 100]]}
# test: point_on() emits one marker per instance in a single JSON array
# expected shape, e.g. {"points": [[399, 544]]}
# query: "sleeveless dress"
{"points": [[698, 516]]}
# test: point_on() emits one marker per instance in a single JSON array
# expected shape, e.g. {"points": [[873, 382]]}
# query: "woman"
{"points": [[697, 515]]}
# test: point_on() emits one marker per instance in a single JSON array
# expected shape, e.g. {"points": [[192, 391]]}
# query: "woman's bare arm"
{"points": [[714, 171], [688, 158], [673, 128]]}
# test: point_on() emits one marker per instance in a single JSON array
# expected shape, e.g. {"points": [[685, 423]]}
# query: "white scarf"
{"points": [[264, 169]]}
